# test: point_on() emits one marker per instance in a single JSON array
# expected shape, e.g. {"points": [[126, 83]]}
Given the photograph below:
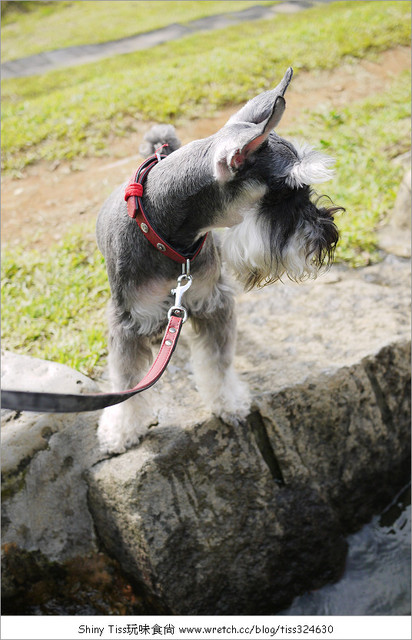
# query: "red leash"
{"points": [[73, 403], [177, 315]]}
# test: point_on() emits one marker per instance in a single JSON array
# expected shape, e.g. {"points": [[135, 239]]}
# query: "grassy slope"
{"points": [[64, 24], [53, 305], [66, 114], [364, 137]]}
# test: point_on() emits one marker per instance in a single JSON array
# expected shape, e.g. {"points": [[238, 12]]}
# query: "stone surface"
{"points": [[215, 520], [44, 456], [211, 519], [214, 534], [349, 442], [220, 521]]}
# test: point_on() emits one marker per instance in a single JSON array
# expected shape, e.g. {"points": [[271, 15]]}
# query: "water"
{"points": [[377, 578]]}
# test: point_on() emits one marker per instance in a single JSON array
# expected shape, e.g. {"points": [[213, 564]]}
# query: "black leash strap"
{"points": [[74, 403]]}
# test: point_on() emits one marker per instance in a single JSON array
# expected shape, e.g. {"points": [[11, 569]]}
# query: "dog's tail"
{"points": [[158, 135]]}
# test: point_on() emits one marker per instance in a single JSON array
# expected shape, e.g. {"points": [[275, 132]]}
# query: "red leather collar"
{"points": [[133, 196]]}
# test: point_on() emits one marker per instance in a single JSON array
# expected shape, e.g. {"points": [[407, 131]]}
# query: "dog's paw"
{"points": [[120, 429], [233, 402]]}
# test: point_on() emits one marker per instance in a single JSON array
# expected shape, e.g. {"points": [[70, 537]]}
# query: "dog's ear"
{"points": [[248, 129], [241, 140], [260, 108]]}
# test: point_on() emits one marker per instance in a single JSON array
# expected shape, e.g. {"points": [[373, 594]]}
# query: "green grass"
{"points": [[53, 303], [66, 114], [55, 25], [364, 138]]}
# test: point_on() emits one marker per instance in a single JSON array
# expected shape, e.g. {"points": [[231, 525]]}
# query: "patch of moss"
{"points": [[87, 585]]}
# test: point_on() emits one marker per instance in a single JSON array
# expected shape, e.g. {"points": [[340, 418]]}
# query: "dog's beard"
{"points": [[259, 256]]}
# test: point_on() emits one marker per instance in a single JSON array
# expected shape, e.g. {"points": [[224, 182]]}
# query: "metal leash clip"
{"points": [[184, 282]]}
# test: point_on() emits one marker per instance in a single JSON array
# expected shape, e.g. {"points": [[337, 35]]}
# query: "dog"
{"points": [[257, 186]]}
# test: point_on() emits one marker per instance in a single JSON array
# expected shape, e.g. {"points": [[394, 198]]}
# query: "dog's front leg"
{"points": [[213, 348], [122, 425]]}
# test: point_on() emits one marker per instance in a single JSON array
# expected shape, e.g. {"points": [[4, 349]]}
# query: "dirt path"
{"points": [[39, 209]]}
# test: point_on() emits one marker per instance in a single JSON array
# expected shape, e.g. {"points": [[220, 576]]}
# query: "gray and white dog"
{"points": [[244, 178]]}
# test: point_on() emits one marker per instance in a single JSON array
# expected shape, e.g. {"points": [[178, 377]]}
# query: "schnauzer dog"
{"points": [[244, 178]]}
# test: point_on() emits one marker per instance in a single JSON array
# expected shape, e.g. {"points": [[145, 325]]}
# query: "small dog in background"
{"points": [[245, 178]]}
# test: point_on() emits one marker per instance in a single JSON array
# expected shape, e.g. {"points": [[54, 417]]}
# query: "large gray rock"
{"points": [[44, 457], [216, 520], [221, 521], [198, 519], [212, 519]]}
